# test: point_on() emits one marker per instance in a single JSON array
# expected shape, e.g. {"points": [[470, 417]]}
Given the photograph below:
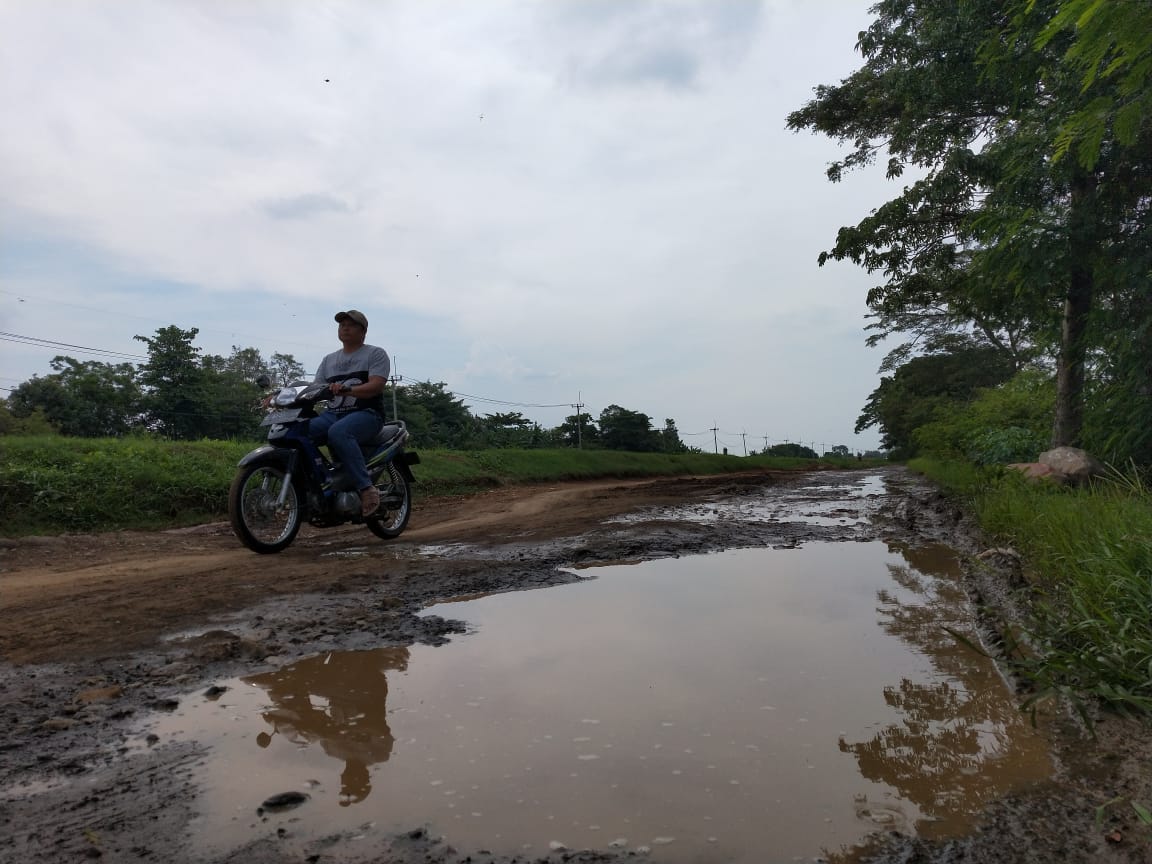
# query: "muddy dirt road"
{"points": [[99, 630]]}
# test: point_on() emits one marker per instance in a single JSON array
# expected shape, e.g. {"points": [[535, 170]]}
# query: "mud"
{"points": [[100, 630]]}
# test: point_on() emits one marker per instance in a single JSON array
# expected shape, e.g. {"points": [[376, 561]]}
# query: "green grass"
{"points": [[54, 485], [1090, 553], [51, 485]]}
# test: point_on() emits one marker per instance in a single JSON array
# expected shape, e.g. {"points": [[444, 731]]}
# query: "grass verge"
{"points": [[52, 485], [1090, 555]]}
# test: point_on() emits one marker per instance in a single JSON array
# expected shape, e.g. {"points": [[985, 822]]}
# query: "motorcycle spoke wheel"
{"points": [[258, 518], [390, 520]]}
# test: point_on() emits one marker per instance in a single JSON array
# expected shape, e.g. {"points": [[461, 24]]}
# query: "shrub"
{"points": [[1003, 446]]}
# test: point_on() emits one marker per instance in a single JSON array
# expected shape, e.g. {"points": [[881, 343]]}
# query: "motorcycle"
{"points": [[289, 480]]}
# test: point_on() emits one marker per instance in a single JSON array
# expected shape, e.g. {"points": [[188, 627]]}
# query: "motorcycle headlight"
{"points": [[285, 397]]}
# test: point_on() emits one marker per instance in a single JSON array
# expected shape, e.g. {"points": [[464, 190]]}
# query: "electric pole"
{"points": [[394, 380], [715, 446], [579, 421], [744, 435]]}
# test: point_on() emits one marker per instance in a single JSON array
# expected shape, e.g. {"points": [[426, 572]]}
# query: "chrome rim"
{"points": [[391, 484], [259, 506]]}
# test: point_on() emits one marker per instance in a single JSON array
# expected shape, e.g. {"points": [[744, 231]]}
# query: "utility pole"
{"points": [[715, 446], [394, 380], [744, 435], [765, 445], [579, 422]]}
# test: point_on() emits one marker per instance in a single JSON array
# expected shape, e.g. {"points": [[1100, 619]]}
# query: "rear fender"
{"points": [[402, 463]]}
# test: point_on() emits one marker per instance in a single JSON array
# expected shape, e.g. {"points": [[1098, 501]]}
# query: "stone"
{"points": [[283, 801], [99, 694], [1075, 464], [1037, 471]]}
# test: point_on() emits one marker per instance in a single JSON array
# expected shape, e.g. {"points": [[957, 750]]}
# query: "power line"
{"points": [[49, 343], [504, 402], [151, 320]]}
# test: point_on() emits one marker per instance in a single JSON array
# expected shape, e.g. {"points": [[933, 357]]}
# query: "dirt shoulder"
{"points": [[99, 629], [85, 596]]}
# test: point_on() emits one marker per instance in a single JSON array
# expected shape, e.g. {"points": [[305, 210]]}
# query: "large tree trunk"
{"points": [[1068, 423]]}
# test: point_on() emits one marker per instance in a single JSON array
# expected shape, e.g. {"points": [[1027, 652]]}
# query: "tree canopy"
{"points": [[1001, 242]]}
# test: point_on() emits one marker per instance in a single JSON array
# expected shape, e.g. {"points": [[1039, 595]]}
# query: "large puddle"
{"points": [[745, 706]]}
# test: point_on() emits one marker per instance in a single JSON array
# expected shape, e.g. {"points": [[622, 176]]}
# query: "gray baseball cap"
{"points": [[353, 315]]}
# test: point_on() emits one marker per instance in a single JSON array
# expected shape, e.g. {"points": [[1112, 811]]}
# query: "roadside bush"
{"points": [[1001, 424], [70, 484], [1004, 446]]}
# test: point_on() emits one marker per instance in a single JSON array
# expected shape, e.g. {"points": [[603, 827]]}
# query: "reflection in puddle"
{"points": [[337, 701], [750, 705], [946, 752]]}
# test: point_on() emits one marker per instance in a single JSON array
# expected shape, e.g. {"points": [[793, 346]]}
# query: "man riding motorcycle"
{"points": [[356, 376]]}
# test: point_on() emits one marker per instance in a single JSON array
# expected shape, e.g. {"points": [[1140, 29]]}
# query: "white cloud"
{"points": [[552, 196]]}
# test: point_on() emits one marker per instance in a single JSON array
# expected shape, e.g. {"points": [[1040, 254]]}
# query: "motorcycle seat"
{"points": [[388, 432]]}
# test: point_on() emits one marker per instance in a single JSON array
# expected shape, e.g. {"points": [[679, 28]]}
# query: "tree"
{"points": [[284, 369], [174, 382], [797, 451], [621, 429], [245, 364], [840, 450], [1110, 46], [998, 240], [85, 399], [32, 424], [670, 438], [510, 429], [435, 416], [578, 430], [231, 394], [925, 387]]}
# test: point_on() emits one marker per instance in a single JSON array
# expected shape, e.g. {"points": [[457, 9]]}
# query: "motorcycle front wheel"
{"points": [[258, 518], [391, 518]]}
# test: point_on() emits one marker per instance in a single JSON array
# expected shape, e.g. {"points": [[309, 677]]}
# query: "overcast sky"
{"points": [[531, 201]]}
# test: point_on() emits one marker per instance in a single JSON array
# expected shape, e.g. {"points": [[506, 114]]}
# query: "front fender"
{"points": [[281, 456]]}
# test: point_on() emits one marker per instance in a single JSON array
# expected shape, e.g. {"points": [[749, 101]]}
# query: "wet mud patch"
{"points": [[75, 770]]}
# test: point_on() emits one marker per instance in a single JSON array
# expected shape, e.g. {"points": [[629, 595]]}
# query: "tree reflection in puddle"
{"points": [[960, 741]]}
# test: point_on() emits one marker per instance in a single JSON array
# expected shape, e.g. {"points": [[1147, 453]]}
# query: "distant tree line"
{"points": [[183, 394], [1016, 272]]}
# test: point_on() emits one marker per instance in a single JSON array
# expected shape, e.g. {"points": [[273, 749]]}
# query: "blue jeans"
{"points": [[344, 433]]}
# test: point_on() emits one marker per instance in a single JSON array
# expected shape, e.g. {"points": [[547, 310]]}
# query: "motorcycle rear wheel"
{"points": [[390, 520], [257, 519]]}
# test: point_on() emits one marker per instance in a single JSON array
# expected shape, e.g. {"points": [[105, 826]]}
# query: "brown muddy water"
{"points": [[705, 708]]}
